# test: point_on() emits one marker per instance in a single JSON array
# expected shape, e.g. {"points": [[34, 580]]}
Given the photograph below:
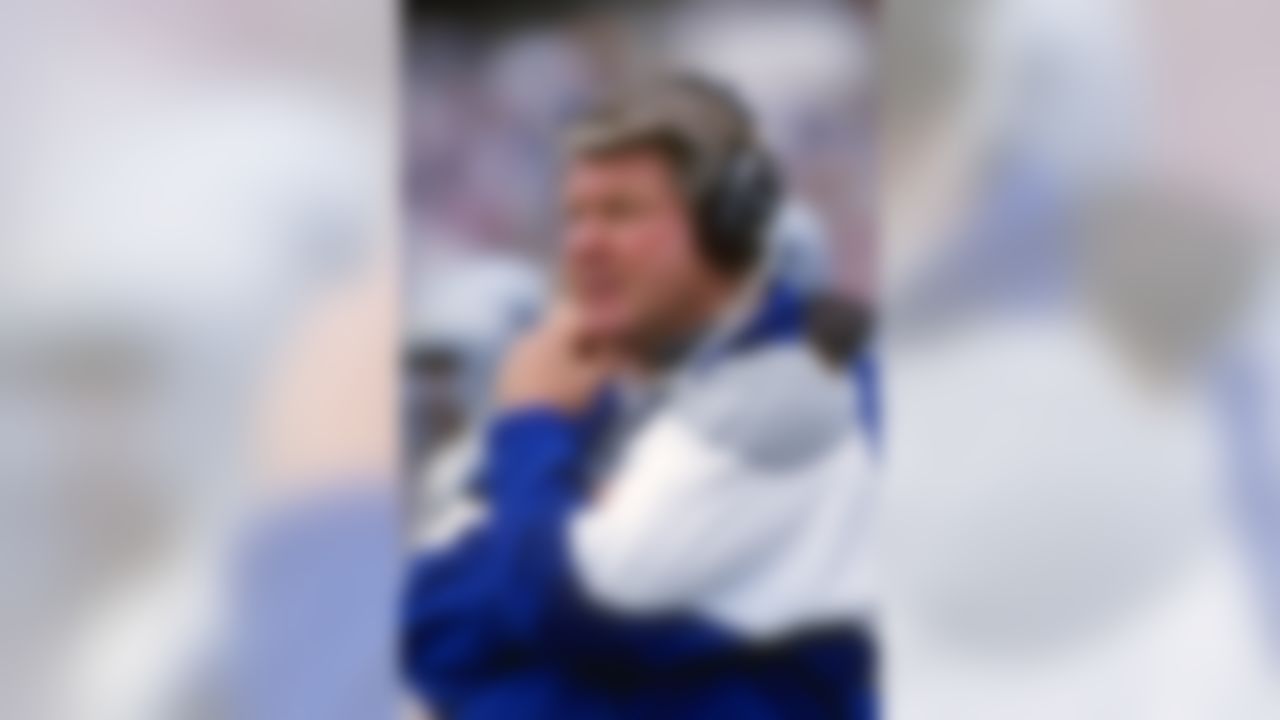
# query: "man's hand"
{"points": [[557, 365]]}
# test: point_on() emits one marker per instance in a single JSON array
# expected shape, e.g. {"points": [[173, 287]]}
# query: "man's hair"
{"points": [[709, 138]]}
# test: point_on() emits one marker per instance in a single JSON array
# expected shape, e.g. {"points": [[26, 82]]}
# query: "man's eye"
{"points": [[612, 209]]}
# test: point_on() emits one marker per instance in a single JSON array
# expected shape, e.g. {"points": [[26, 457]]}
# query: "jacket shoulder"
{"points": [[774, 408]]}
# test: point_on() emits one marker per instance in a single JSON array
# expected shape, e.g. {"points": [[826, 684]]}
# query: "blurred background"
{"points": [[1078, 279], [197, 359]]}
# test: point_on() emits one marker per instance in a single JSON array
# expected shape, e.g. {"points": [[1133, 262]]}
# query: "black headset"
{"points": [[735, 205]]}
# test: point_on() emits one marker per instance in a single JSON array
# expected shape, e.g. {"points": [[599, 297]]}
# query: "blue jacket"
{"points": [[720, 575]]}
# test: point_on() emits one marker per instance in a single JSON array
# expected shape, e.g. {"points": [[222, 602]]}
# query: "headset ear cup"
{"points": [[737, 211]]}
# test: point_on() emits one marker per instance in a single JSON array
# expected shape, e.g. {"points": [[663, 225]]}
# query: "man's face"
{"points": [[630, 259]]}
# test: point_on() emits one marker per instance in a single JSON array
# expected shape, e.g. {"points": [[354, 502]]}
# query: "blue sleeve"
{"points": [[506, 594], [865, 372]]}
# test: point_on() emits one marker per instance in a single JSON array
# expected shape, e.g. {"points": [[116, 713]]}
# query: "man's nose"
{"points": [[586, 240]]}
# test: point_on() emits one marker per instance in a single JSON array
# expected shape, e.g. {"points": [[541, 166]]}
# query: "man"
{"points": [[675, 486]]}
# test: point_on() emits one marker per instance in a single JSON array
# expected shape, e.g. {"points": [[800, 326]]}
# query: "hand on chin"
{"points": [[560, 364]]}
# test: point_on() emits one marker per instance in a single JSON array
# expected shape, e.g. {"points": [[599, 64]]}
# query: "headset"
{"points": [[736, 202]]}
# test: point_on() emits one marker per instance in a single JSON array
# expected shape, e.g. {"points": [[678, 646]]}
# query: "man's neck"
{"points": [[663, 353]]}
